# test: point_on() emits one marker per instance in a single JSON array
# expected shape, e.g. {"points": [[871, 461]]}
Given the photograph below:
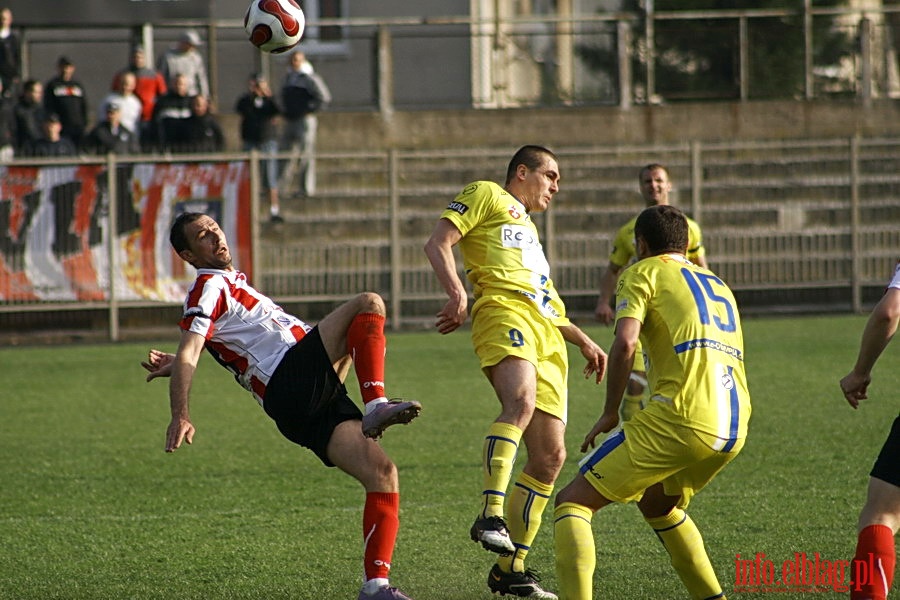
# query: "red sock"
{"points": [[366, 345], [873, 565], [381, 520]]}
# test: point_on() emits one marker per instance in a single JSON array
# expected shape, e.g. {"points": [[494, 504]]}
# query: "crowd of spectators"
{"points": [[161, 109]]}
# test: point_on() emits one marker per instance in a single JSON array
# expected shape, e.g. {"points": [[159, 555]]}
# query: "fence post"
{"points": [[385, 72], [855, 258], [696, 181], [395, 250], [623, 39], [112, 206], [865, 50], [651, 52], [744, 53], [255, 190], [808, 49]]}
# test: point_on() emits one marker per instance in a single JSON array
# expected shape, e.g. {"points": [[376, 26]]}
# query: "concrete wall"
{"points": [[607, 125]]}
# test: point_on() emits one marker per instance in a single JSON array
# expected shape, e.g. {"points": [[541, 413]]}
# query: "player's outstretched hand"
{"points": [[604, 313], [855, 388], [158, 363], [604, 424], [451, 316], [180, 430], [596, 361]]}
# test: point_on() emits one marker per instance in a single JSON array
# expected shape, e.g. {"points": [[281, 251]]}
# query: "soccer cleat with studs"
{"points": [[389, 413], [493, 535], [385, 592], [520, 584]]}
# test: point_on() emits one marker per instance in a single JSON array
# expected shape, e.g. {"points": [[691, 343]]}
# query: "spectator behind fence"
{"points": [[66, 97], [149, 86], [184, 58], [303, 94], [29, 114], [111, 135], [130, 106], [10, 54], [204, 131], [259, 114], [7, 127], [52, 143], [171, 117]]}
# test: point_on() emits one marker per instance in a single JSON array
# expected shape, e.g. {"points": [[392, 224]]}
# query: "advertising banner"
{"points": [[55, 228]]}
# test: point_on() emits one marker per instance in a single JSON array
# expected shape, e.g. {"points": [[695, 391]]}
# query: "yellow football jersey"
{"points": [[693, 344], [501, 250], [624, 251]]}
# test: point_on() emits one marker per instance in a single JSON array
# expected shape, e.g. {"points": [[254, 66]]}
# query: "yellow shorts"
{"points": [[647, 450], [503, 327]]}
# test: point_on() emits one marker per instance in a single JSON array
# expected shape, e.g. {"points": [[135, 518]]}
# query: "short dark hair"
{"points": [[177, 237], [531, 156], [652, 167], [664, 228]]}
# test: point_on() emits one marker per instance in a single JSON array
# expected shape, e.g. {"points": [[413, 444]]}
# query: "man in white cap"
{"points": [[184, 59]]}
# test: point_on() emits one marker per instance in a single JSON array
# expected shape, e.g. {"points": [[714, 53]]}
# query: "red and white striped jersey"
{"points": [[245, 331]]}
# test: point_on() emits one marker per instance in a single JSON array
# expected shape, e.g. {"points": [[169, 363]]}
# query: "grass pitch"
{"points": [[92, 508]]}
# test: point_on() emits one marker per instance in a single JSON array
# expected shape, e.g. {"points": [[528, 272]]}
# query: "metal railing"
{"points": [[504, 59], [790, 225]]}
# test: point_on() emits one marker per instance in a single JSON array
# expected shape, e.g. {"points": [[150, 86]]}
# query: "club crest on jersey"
{"points": [[514, 212], [284, 321], [458, 207]]}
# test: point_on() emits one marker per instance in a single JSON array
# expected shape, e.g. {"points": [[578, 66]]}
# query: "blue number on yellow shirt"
{"points": [[701, 285], [516, 337]]}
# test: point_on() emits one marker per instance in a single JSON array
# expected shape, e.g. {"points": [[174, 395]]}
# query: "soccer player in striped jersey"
{"points": [[296, 372], [519, 331], [876, 556], [655, 186], [695, 422]]}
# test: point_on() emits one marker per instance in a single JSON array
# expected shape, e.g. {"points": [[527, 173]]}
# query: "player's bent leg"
{"points": [[367, 462], [574, 540], [544, 439], [334, 326], [875, 558], [682, 540]]}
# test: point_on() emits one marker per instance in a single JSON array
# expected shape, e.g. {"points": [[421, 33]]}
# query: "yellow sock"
{"points": [[527, 501], [684, 544], [631, 405], [575, 553], [498, 456]]}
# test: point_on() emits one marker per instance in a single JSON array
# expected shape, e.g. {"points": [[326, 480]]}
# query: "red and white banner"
{"points": [[55, 228]]}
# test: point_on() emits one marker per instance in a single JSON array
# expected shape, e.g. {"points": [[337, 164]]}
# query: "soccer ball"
{"points": [[274, 26]]}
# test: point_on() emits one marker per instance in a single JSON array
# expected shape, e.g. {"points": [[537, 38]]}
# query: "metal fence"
{"points": [[811, 226], [514, 56]]}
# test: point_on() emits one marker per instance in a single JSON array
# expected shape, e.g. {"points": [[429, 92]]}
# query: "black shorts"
{"points": [[887, 465], [305, 397]]}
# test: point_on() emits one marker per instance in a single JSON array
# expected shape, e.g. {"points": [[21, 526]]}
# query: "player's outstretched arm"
{"points": [[596, 357], [439, 250], [880, 329], [604, 312], [183, 366], [158, 363]]}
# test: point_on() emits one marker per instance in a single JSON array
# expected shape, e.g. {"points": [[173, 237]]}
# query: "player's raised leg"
{"points": [[356, 328]]}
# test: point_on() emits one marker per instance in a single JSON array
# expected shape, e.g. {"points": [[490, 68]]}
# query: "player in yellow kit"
{"points": [[655, 186], [694, 424], [519, 331]]}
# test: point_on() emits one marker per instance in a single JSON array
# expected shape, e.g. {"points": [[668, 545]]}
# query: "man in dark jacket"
{"points": [[111, 136], [66, 97], [29, 115]]}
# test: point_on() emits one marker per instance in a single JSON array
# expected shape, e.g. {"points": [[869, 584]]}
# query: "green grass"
{"points": [[92, 508]]}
